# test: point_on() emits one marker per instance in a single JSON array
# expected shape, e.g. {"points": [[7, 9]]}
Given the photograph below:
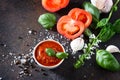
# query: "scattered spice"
{"points": [[2, 44], [27, 45], [55, 36], [20, 37], [37, 70], [45, 74], [33, 32], [42, 69], [25, 61]]}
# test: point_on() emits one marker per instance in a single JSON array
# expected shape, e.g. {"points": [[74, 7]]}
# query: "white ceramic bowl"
{"points": [[44, 66]]}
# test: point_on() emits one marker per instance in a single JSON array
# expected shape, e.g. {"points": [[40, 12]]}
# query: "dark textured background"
{"points": [[17, 18]]}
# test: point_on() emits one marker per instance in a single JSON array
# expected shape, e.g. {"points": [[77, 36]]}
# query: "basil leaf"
{"points": [[47, 20], [107, 61], [116, 26], [61, 55], [106, 33], [102, 22], [50, 52], [92, 9]]}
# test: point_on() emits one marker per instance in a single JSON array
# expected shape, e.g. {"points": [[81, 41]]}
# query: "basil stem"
{"points": [[105, 21]]}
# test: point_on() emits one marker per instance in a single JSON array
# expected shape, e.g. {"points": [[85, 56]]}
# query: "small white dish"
{"points": [[42, 65]]}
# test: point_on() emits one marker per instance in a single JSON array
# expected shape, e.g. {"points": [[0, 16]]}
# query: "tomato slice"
{"points": [[54, 5], [81, 15], [69, 28]]}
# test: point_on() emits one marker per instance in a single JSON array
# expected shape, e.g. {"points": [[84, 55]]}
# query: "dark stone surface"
{"points": [[17, 18]]}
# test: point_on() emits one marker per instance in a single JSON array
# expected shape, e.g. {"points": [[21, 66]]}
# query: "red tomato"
{"points": [[54, 5], [81, 15], [69, 28]]}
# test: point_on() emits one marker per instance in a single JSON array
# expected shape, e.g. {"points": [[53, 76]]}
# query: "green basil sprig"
{"points": [[106, 33], [108, 29], [60, 55], [116, 26], [107, 61], [47, 20]]}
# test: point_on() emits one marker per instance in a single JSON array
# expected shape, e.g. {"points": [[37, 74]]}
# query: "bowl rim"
{"points": [[41, 65]]}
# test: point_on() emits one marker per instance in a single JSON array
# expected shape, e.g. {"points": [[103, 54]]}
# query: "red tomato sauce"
{"points": [[42, 56]]}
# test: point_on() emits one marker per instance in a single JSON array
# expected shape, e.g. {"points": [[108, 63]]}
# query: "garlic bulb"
{"points": [[77, 44], [112, 49], [103, 5]]}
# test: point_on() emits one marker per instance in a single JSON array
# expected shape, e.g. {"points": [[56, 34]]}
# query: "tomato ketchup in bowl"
{"points": [[41, 57]]}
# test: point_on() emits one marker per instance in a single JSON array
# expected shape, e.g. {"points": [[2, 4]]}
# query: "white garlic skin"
{"points": [[77, 44], [103, 5], [112, 49]]}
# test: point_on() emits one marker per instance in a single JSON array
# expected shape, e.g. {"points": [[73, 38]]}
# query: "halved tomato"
{"points": [[81, 15], [70, 28], [54, 5]]}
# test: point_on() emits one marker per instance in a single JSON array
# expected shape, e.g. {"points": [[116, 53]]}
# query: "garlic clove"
{"points": [[77, 44], [112, 49], [108, 5], [97, 4], [103, 5]]}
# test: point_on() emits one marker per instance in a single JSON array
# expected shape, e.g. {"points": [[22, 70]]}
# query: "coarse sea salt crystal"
{"points": [[0, 78], [30, 32], [23, 61], [55, 36], [10, 53]]}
